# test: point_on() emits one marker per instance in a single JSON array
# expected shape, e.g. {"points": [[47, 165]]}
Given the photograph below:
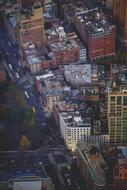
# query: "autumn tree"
{"points": [[25, 143]]}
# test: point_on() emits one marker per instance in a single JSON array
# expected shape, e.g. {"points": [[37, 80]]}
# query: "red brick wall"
{"points": [[81, 29], [102, 46], [67, 56]]}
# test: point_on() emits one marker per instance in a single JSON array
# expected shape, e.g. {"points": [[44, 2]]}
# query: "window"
{"points": [[119, 98], [112, 98], [125, 100]]}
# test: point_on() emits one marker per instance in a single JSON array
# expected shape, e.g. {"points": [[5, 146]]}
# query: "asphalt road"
{"points": [[12, 57]]}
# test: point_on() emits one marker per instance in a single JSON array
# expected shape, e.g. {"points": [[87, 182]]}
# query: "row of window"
{"points": [[119, 100]]}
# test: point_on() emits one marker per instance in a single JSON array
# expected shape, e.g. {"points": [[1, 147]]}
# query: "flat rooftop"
{"points": [[33, 59], [15, 162], [31, 13], [118, 90], [74, 119], [35, 55], [78, 74], [95, 22], [95, 162], [63, 45]]}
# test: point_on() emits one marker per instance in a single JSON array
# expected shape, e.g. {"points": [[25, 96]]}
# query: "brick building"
{"points": [[64, 53], [26, 25], [96, 32], [120, 170], [32, 26]]}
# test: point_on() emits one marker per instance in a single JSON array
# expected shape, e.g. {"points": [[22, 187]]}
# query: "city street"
{"points": [[13, 64]]}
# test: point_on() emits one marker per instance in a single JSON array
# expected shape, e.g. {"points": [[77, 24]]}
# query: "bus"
{"points": [[10, 66], [17, 75], [9, 43], [26, 94], [19, 63]]}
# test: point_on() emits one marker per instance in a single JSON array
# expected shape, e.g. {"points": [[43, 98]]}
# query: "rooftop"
{"points": [[52, 83], [118, 90], [73, 9], [94, 161], [22, 174], [78, 75], [74, 119], [63, 45], [95, 22], [33, 13], [15, 164], [35, 55], [59, 40]]}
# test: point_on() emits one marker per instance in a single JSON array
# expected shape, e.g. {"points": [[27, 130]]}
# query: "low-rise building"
{"points": [[78, 75], [120, 170], [32, 57], [96, 32], [74, 129], [31, 23], [66, 51], [50, 87], [23, 171], [92, 166], [37, 59], [25, 25]]}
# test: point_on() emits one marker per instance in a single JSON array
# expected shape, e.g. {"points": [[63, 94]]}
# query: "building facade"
{"points": [[97, 34], [74, 130], [117, 117], [120, 170], [32, 26], [120, 13]]}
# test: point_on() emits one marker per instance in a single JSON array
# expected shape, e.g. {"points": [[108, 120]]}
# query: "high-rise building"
{"points": [[120, 13], [117, 116]]}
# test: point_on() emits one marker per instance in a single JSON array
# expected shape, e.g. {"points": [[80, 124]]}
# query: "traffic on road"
{"points": [[12, 58]]}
